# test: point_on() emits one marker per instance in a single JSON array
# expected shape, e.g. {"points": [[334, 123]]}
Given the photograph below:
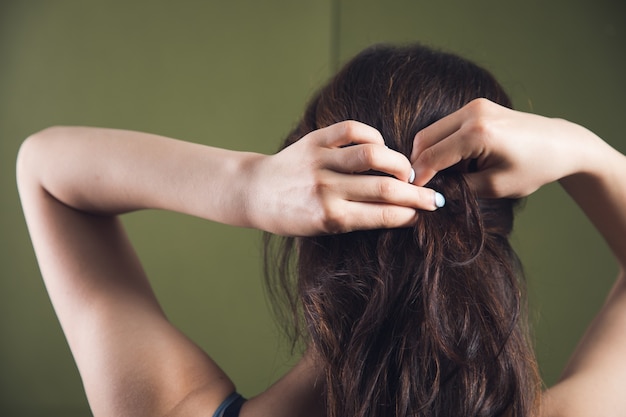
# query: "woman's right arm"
{"points": [[516, 153], [73, 183]]}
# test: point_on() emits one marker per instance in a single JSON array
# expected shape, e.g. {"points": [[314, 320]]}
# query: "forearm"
{"points": [[114, 325], [599, 188], [108, 171], [593, 378]]}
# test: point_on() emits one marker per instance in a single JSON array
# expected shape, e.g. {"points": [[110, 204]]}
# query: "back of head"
{"points": [[422, 321]]}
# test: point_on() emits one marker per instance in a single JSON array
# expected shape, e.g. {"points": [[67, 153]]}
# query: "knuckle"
{"points": [[320, 188], [429, 156], [332, 219], [481, 122], [357, 132], [329, 217], [385, 188], [367, 155], [479, 105], [419, 138], [388, 216], [349, 129], [479, 126], [480, 131]]}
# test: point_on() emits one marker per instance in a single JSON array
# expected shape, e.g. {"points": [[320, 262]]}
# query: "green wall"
{"points": [[236, 74]]}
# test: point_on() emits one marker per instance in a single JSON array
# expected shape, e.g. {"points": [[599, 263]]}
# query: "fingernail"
{"points": [[440, 200], [412, 176], [418, 170]]}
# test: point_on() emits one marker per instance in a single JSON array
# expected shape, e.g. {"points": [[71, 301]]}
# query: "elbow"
{"points": [[24, 165], [30, 157]]}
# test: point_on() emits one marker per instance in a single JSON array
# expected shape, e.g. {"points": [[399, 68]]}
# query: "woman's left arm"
{"points": [[516, 153], [73, 183]]}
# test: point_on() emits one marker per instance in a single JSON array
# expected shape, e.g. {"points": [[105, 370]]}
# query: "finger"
{"points": [[436, 132], [390, 191], [347, 133], [447, 126], [369, 157], [446, 153], [366, 216]]}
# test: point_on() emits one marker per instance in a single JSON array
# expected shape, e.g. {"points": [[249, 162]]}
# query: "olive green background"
{"points": [[237, 74]]}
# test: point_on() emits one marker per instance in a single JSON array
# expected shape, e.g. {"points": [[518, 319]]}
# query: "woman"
{"points": [[410, 308]]}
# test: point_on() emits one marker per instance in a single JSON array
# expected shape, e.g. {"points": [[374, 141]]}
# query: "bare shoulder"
{"points": [[297, 393], [594, 380], [571, 398]]}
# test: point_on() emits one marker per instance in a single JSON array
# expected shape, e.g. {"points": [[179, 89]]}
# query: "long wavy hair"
{"points": [[421, 321]]}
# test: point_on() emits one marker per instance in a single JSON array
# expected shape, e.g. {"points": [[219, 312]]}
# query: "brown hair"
{"points": [[421, 321]]}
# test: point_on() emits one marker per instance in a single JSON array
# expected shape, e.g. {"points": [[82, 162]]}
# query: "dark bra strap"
{"points": [[230, 406]]}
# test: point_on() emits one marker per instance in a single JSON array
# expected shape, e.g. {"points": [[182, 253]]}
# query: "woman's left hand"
{"points": [[515, 153]]}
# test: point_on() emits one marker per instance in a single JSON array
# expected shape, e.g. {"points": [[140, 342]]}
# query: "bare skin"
{"points": [[75, 182], [517, 153]]}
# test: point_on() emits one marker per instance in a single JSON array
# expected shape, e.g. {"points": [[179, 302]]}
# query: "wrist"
{"points": [[581, 152], [246, 189]]}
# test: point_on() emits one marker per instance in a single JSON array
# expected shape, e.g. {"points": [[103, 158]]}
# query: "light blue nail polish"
{"points": [[440, 200], [412, 176]]}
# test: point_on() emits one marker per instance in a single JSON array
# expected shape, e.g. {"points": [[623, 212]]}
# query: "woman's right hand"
{"points": [[317, 186], [515, 153]]}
